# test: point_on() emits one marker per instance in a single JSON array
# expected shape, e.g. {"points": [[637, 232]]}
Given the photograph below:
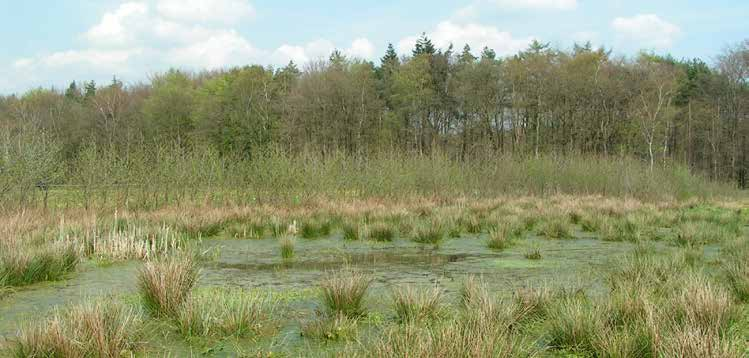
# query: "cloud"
{"points": [[360, 48], [116, 27], [536, 4], [146, 36], [226, 48], [476, 35], [206, 11], [646, 30]]}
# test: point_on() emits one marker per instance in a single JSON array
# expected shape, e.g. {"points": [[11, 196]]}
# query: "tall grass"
{"points": [[344, 292], [23, 264], [414, 305], [102, 329], [165, 285], [222, 313]]}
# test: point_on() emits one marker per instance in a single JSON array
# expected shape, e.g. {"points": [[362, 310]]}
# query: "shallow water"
{"points": [[256, 264]]}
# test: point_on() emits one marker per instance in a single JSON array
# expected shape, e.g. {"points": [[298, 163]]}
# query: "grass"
{"points": [[221, 313], [533, 253], [23, 265], [737, 276], [429, 233], [95, 329], [351, 232], [573, 325], [557, 228], [315, 228], [344, 292], [702, 232], [415, 305], [504, 235], [286, 245], [380, 232], [338, 327], [165, 285]]}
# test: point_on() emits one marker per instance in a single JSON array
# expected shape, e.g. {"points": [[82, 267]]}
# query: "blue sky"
{"points": [[49, 43]]}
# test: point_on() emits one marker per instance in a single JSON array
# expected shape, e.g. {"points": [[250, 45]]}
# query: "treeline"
{"points": [[541, 101]]}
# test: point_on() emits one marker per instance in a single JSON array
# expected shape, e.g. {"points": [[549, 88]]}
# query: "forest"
{"points": [[540, 102]]}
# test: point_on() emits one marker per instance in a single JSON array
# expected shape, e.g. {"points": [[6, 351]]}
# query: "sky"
{"points": [[49, 43]]}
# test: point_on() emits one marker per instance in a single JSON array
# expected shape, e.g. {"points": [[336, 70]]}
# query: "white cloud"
{"points": [[475, 35], [646, 30], [218, 11], [361, 48], [536, 4], [139, 37], [227, 48], [320, 49], [101, 59], [119, 27]]}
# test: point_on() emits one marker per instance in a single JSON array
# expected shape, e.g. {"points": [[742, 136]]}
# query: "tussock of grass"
{"points": [[573, 325], [351, 232], [94, 329], [557, 228], [339, 327], [381, 232], [221, 313], [24, 265], [414, 305], [532, 303], [473, 293], [286, 246], [165, 285], [533, 253], [344, 292], [473, 333], [314, 229], [701, 233], [704, 305], [504, 235], [429, 233], [737, 275], [694, 342]]}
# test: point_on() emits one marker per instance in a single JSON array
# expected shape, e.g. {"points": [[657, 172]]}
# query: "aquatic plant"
{"points": [[164, 285], [533, 253], [344, 292], [338, 327]]}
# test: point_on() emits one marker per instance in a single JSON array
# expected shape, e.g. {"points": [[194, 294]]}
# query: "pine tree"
{"points": [[466, 56], [424, 46], [73, 93], [488, 54], [390, 60], [89, 90], [337, 59]]}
